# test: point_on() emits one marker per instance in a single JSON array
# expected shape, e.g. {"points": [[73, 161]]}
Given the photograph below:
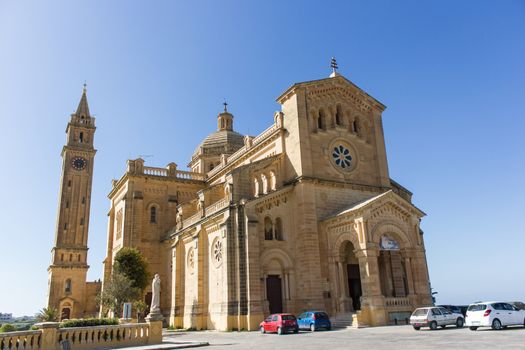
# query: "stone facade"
{"points": [[302, 216], [69, 293]]}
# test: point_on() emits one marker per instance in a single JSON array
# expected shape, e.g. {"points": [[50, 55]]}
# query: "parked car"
{"points": [[517, 304], [433, 317], [497, 315], [452, 308], [314, 320], [279, 323]]}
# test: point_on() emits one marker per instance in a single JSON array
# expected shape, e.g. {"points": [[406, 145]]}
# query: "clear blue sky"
{"points": [[451, 73]]}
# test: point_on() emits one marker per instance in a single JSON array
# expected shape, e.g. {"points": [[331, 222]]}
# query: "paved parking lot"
{"points": [[391, 338]]}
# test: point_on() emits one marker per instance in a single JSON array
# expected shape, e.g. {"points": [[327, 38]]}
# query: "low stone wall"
{"points": [[50, 337]]}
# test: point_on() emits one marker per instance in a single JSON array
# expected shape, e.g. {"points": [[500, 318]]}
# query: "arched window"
{"points": [[68, 286], [78, 257], [211, 167], [81, 138], [321, 121], [153, 214], [278, 229], [356, 126], [268, 229], [338, 116]]}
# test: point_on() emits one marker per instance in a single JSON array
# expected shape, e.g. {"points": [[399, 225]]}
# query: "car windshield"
{"points": [[288, 317], [420, 312], [321, 315], [477, 307]]}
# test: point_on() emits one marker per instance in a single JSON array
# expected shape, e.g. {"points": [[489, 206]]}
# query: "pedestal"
{"points": [[154, 319]]}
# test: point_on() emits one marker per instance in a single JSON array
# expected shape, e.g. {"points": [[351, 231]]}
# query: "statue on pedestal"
{"points": [[154, 312]]}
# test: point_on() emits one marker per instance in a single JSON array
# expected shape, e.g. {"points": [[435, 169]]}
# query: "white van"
{"points": [[494, 314]]}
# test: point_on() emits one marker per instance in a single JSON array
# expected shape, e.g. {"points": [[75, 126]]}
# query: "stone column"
{"points": [[343, 289], [410, 280]]}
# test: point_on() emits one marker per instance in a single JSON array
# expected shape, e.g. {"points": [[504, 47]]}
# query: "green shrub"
{"points": [[7, 328], [88, 322]]}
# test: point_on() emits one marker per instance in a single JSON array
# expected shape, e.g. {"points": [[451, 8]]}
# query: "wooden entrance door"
{"points": [[354, 285], [274, 293], [65, 314]]}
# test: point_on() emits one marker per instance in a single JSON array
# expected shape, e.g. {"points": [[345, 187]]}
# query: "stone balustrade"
{"points": [[50, 337], [20, 340], [179, 174], [397, 303], [215, 207]]}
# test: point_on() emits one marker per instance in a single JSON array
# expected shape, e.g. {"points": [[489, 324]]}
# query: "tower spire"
{"points": [[83, 108]]}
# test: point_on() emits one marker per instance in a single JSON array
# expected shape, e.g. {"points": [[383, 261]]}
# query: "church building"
{"points": [[302, 216]]}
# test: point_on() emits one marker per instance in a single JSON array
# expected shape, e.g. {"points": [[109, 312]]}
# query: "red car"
{"points": [[280, 323]]}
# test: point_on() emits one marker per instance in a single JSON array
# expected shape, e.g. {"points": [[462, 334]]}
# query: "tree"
{"points": [[132, 264], [140, 307], [47, 314], [117, 291]]}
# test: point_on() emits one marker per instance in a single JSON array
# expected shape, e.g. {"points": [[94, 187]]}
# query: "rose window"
{"points": [[342, 157], [217, 251]]}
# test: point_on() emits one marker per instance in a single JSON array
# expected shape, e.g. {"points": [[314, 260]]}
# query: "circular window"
{"points": [[343, 156], [217, 252], [191, 260]]}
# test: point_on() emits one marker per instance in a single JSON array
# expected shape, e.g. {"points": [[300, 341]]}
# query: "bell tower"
{"points": [[68, 269]]}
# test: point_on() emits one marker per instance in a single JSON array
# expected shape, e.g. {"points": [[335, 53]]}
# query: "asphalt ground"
{"points": [[391, 338]]}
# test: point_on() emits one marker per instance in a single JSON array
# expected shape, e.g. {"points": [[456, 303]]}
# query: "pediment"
{"points": [[386, 204], [337, 86]]}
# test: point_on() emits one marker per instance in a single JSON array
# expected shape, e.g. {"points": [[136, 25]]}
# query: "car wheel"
{"points": [[496, 324], [262, 329], [472, 328], [312, 327], [433, 325], [460, 322], [296, 330], [417, 328], [330, 327], [524, 322], [279, 331]]}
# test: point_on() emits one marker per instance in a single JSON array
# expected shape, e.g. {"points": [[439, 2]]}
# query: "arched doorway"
{"points": [[353, 275], [277, 284], [65, 314], [274, 293]]}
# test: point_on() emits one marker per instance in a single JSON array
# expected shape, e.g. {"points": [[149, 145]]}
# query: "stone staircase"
{"points": [[343, 320]]}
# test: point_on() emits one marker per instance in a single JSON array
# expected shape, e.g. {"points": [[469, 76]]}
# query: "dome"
{"points": [[219, 142]]}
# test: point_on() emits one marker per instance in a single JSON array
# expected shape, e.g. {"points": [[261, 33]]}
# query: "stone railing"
{"points": [[179, 174], [82, 338], [192, 219], [215, 207], [50, 337], [392, 303], [148, 170], [20, 340]]}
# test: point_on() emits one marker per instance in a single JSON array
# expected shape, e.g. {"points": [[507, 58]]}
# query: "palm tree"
{"points": [[47, 314]]}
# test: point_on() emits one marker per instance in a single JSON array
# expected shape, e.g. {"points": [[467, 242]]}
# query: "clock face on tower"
{"points": [[78, 163]]}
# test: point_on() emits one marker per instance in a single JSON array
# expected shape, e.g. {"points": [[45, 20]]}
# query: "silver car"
{"points": [[433, 317]]}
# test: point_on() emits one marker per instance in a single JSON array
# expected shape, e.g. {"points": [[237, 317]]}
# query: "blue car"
{"points": [[314, 320]]}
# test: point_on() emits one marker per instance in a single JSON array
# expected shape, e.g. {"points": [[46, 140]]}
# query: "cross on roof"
{"points": [[225, 107], [333, 64]]}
